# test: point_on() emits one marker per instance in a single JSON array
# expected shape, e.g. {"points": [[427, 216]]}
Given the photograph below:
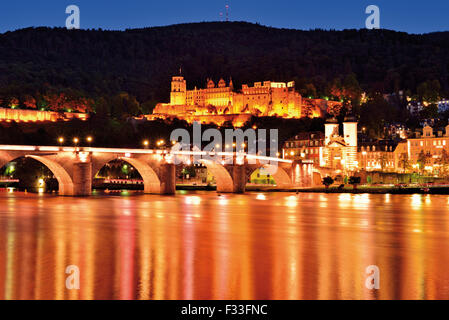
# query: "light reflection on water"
{"points": [[201, 245]]}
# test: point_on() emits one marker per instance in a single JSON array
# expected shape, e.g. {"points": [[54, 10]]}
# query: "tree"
{"points": [[404, 162], [444, 162], [124, 105], [423, 159], [308, 91], [354, 181], [375, 113], [429, 91], [328, 181], [429, 112], [383, 160], [102, 108], [148, 106]]}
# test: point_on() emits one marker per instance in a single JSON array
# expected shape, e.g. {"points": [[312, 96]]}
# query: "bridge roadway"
{"points": [[75, 167]]}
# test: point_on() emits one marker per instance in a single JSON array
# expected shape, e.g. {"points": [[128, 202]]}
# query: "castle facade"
{"points": [[220, 102]]}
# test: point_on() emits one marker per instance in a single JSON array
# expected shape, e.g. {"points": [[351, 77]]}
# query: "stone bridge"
{"points": [[76, 167]]}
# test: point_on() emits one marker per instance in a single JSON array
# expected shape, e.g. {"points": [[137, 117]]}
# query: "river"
{"points": [[201, 245]]}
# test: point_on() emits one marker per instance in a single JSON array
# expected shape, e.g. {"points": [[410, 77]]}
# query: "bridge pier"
{"points": [[82, 178], [239, 178], [167, 176], [231, 179]]}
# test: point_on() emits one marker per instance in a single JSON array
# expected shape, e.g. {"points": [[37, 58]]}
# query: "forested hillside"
{"points": [[44, 68]]}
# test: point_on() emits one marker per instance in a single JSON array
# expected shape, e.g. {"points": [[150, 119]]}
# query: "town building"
{"points": [[347, 153], [415, 107], [443, 105], [396, 131], [377, 156], [428, 148], [304, 146]]}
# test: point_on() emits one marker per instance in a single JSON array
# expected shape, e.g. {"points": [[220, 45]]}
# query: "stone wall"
{"points": [[20, 115]]}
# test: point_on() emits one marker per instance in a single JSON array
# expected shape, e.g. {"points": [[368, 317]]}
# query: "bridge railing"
{"points": [[129, 152]]}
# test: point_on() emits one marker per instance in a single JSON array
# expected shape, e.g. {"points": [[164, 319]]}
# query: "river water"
{"points": [[201, 245]]}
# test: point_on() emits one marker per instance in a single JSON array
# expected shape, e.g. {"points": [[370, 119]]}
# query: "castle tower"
{"points": [[350, 131], [330, 129], [221, 83], [350, 136], [178, 93], [210, 84]]}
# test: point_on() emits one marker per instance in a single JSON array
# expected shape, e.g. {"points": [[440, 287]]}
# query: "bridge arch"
{"points": [[224, 180], [66, 186], [151, 181], [6, 158], [279, 175]]}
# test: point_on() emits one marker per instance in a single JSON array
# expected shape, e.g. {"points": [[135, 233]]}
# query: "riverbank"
{"points": [[346, 189], [443, 190], [360, 189], [411, 190]]}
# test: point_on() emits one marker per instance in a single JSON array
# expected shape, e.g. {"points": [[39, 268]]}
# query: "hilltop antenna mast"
{"points": [[227, 11]]}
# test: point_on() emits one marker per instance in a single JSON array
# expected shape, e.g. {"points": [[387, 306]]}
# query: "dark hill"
{"points": [[141, 61]]}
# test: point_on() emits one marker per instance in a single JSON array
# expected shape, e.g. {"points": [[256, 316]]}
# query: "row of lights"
{"points": [[159, 143], [234, 145], [76, 140], [145, 143]]}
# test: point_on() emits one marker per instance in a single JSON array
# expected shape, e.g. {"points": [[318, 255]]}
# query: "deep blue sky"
{"points": [[403, 15]]}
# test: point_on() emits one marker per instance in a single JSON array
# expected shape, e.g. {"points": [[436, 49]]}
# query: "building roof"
{"points": [[311, 135], [350, 118], [379, 144]]}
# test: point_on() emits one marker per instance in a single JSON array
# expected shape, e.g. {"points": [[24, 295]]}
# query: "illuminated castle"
{"points": [[220, 103]]}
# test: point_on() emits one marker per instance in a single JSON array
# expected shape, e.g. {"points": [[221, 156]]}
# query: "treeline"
{"points": [[108, 132], [127, 72]]}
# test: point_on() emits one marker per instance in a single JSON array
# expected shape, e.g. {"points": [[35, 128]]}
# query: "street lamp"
{"points": [[76, 140], [160, 143], [89, 139], [146, 143], [61, 140]]}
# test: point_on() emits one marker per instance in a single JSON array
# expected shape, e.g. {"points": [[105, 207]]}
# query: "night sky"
{"points": [[401, 15]]}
